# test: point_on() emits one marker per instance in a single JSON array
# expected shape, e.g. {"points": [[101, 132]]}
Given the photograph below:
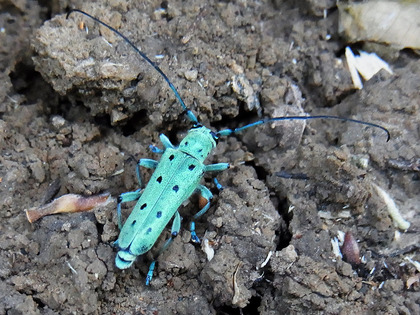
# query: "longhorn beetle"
{"points": [[176, 177]]}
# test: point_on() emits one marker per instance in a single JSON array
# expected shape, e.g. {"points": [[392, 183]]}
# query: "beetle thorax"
{"points": [[199, 142]]}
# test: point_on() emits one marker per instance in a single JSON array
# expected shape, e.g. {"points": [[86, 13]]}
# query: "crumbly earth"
{"points": [[79, 108]]}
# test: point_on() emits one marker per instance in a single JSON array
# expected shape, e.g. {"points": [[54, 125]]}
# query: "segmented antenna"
{"points": [[228, 132], [189, 113]]}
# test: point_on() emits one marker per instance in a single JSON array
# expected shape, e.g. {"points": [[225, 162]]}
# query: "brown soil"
{"points": [[80, 107]]}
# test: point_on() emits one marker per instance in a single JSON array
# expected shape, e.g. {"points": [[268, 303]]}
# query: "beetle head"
{"points": [[199, 142]]}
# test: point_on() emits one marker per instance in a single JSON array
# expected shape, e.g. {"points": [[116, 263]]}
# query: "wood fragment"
{"points": [[67, 203]]}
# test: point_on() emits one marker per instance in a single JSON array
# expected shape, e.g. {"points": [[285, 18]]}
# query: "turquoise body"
{"points": [[175, 179]]}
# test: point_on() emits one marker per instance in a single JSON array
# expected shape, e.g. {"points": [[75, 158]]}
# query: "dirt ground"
{"points": [[79, 108]]}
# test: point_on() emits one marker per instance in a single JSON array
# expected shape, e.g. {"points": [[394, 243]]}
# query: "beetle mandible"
{"points": [[175, 178]]}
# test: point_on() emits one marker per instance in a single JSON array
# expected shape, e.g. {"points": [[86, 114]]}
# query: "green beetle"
{"points": [[176, 177]]}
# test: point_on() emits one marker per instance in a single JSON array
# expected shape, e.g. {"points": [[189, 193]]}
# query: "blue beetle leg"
{"points": [[126, 197], [147, 163], [216, 167], [155, 149], [150, 272], [176, 226], [166, 142], [205, 196], [218, 185]]}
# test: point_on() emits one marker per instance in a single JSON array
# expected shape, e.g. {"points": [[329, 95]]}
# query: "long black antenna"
{"points": [[228, 132], [189, 113]]}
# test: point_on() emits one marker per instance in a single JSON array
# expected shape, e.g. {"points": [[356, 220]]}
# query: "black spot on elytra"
{"points": [[158, 214], [159, 179], [134, 222], [186, 143], [143, 248], [144, 205], [149, 230], [171, 157], [201, 150], [191, 167], [175, 188]]}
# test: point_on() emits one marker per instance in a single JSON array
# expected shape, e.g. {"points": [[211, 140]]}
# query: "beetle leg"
{"points": [[176, 226], [134, 195], [155, 149], [147, 163], [216, 167], [218, 185], [166, 142], [126, 197], [204, 201]]}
